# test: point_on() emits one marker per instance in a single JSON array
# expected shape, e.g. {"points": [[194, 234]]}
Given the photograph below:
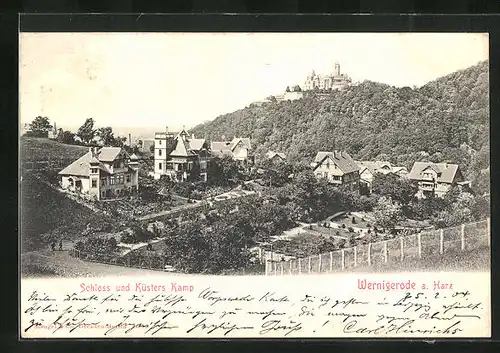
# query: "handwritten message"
{"points": [[454, 305]]}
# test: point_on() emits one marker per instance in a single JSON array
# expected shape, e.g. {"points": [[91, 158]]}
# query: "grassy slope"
{"points": [[45, 213], [41, 149]]}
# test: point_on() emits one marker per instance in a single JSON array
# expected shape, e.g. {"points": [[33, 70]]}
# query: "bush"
{"points": [[343, 226], [368, 225], [350, 229], [353, 220], [135, 234]]}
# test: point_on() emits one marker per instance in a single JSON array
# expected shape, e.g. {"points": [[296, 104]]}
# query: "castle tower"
{"points": [[336, 71]]}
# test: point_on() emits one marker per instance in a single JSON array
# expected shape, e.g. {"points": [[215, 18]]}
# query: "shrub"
{"points": [[353, 220], [350, 229], [368, 225], [343, 226]]}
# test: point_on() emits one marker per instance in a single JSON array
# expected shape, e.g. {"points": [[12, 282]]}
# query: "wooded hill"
{"points": [[446, 120]]}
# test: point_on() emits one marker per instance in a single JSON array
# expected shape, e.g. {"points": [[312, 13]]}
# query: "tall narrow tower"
{"points": [[336, 71]]}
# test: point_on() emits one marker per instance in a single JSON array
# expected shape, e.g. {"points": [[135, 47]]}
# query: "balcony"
{"points": [[427, 186]]}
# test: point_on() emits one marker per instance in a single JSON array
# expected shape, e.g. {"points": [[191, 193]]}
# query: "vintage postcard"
{"points": [[254, 185]]}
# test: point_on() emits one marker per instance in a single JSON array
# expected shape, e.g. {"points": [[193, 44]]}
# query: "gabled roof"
{"points": [[196, 144], [244, 140], [108, 154], [342, 159], [399, 169], [272, 154], [448, 171], [374, 166], [181, 149], [81, 166], [221, 148]]}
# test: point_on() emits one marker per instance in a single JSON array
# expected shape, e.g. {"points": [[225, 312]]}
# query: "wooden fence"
{"points": [[417, 246]]}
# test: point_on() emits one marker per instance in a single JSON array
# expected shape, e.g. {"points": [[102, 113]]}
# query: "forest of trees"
{"points": [[446, 120]]}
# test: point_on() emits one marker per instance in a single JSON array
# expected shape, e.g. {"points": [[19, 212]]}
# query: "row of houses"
{"points": [[432, 179], [110, 172], [177, 155]]}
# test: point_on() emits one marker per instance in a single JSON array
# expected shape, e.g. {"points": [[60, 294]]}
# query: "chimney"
{"points": [[166, 129], [129, 140]]}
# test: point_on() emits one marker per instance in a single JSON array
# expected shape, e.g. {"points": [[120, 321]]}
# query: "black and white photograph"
{"points": [[254, 185], [253, 153]]}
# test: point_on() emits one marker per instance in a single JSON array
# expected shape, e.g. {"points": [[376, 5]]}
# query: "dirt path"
{"points": [[66, 266]]}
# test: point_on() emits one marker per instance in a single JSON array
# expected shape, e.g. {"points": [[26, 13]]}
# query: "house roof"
{"points": [[182, 149], [374, 166], [221, 148], [448, 171], [399, 169], [81, 166], [196, 144], [244, 140], [272, 154], [342, 159], [108, 154]]}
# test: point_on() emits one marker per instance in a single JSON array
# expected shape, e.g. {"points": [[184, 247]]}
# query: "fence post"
{"points": [[488, 234], [282, 268], [385, 251], [300, 266], [319, 263], [331, 261], [369, 254], [355, 256], [343, 259], [275, 269], [441, 241], [309, 264], [266, 269], [402, 245], [290, 267], [419, 239], [462, 237]]}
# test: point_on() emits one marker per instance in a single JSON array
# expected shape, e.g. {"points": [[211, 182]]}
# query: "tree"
{"points": [[87, 132], [40, 126], [391, 185], [106, 135], [287, 89], [297, 88], [387, 213], [224, 171], [66, 137]]}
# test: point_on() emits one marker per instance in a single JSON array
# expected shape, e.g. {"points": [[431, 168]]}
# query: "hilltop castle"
{"points": [[332, 81]]}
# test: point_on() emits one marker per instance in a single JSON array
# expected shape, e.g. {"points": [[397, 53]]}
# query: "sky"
{"points": [[153, 80]]}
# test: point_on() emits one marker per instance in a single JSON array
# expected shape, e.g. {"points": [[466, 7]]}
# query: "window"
{"points": [[159, 166], [159, 152], [103, 182], [94, 182], [128, 178], [159, 142]]}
